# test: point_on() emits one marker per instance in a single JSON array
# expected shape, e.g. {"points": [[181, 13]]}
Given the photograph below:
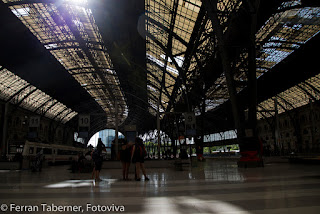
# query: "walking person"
{"points": [[97, 159], [137, 157]]}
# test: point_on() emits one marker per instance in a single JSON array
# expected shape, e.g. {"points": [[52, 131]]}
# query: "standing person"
{"points": [[94, 169], [137, 157], [81, 163], [125, 155], [97, 159], [38, 161]]}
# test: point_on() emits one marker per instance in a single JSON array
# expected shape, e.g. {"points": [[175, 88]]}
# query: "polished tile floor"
{"points": [[216, 186]]}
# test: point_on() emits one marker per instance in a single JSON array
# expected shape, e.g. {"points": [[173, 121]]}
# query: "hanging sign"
{"points": [[84, 120], [190, 123]]}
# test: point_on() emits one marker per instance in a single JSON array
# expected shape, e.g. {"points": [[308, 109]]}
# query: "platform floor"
{"points": [[216, 186]]}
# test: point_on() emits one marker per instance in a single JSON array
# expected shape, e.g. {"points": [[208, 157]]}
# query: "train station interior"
{"points": [[223, 94]]}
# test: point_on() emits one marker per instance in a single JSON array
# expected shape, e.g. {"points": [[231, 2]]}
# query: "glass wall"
{"points": [[107, 136]]}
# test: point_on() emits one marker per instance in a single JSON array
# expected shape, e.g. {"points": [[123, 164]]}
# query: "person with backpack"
{"points": [[137, 157]]}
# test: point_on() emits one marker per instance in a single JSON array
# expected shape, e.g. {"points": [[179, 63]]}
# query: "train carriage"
{"points": [[53, 153]]}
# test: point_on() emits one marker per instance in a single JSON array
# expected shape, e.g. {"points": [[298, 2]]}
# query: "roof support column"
{"points": [[246, 127], [211, 8], [251, 122], [252, 74], [116, 127], [313, 125], [158, 127], [277, 139], [250, 146], [4, 129]]}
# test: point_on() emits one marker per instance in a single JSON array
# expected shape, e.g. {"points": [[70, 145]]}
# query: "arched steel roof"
{"points": [[152, 55]]}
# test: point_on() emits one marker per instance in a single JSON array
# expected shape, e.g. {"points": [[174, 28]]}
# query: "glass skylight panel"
{"points": [[63, 114], [151, 88], [289, 30], [293, 97], [10, 84], [36, 99], [218, 93], [289, 4], [61, 30], [27, 96], [51, 46], [276, 55], [50, 112], [266, 109], [211, 104], [56, 110], [21, 11], [314, 82], [162, 64], [161, 11], [23, 94], [225, 7]]}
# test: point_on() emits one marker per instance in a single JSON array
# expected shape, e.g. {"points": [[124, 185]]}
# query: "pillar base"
{"points": [[250, 159]]}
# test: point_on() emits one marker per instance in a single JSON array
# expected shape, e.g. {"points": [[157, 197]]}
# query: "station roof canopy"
{"points": [[21, 93], [130, 59]]}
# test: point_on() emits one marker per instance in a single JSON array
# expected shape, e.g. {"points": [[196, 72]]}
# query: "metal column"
{"points": [[116, 128], [277, 146], [4, 129], [158, 128]]}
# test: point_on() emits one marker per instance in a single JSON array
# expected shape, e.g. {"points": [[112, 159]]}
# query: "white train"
{"points": [[53, 153]]}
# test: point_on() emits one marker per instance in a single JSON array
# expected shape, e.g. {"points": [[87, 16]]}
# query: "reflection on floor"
{"points": [[216, 186]]}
